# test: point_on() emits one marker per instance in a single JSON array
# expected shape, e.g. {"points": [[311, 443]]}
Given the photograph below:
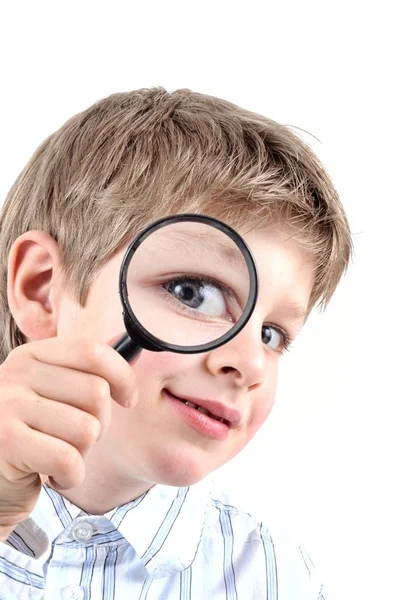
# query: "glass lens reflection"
{"points": [[188, 283]]}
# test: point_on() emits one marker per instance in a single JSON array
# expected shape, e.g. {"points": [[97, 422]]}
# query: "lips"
{"points": [[231, 416]]}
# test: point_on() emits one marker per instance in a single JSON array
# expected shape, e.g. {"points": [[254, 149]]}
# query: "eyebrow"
{"points": [[219, 244], [294, 311]]}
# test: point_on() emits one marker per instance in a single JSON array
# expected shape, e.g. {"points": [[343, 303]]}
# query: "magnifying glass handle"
{"points": [[127, 348]]}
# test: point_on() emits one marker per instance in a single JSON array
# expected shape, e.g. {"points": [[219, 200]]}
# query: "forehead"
{"points": [[286, 269], [197, 238]]}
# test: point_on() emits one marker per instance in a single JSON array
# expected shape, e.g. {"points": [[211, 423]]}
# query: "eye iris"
{"points": [[271, 337], [267, 335], [188, 292]]}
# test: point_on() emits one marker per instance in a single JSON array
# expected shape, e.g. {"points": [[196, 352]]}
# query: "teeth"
{"points": [[204, 411]]}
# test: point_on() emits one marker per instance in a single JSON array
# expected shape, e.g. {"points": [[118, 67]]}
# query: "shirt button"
{"points": [[72, 592], [82, 532]]}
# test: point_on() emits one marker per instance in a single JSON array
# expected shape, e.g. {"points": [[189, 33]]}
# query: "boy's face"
{"points": [[156, 442]]}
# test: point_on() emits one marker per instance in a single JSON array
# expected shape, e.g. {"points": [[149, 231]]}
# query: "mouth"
{"points": [[202, 410], [201, 419], [214, 409]]}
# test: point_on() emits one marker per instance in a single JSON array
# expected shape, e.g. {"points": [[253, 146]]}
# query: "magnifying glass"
{"points": [[188, 284]]}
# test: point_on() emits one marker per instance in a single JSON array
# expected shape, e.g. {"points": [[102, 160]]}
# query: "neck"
{"points": [[103, 488]]}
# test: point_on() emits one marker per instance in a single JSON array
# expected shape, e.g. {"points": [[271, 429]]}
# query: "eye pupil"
{"points": [[188, 293], [266, 335], [184, 292]]}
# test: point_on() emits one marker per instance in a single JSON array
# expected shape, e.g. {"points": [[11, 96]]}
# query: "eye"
{"points": [[274, 338], [203, 296]]}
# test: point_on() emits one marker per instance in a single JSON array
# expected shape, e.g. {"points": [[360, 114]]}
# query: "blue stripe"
{"points": [[17, 542], [21, 575], [167, 524], [186, 584], [228, 536], [145, 588], [307, 561], [122, 511], [221, 505], [270, 562], [88, 569], [59, 506], [110, 574]]}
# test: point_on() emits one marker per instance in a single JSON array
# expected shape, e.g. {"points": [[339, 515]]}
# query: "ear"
{"points": [[32, 284]]}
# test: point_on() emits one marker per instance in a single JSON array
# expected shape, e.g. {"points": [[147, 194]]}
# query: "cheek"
{"points": [[153, 368], [262, 403], [261, 412], [101, 318], [148, 369], [261, 409]]}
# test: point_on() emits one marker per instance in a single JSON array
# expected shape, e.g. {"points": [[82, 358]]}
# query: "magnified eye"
{"points": [[200, 295], [272, 337]]}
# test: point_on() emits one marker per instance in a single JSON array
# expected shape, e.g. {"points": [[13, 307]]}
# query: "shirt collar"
{"points": [[164, 525]]}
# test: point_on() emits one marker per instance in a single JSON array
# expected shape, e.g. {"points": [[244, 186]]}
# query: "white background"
{"points": [[325, 463]]}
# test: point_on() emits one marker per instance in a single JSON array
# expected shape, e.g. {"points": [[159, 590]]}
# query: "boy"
{"points": [[103, 482]]}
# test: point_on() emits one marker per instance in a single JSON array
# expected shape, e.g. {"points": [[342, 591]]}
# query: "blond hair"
{"points": [[134, 157]]}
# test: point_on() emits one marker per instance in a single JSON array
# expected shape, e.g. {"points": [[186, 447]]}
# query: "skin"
{"points": [[151, 443]]}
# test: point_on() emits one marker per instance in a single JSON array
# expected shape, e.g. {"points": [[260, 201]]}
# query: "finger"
{"points": [[30, 451], [89, 356], [84, 391], [65, 422]]}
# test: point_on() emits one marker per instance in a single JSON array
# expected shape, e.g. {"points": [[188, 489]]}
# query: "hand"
{"points": [[55, 403]]}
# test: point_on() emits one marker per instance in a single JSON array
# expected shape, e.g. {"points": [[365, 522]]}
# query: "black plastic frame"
{"points": [[137, 334]]}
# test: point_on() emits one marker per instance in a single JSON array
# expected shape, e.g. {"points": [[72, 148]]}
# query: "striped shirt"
{"points": [[188, 543]]}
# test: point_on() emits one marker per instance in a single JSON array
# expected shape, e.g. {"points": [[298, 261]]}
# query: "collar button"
{"points": [[72, 592], [82, 531]]}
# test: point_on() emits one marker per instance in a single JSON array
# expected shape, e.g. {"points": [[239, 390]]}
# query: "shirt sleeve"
{"points": [[316, 584], [321, 595], [21, 576], [294, 573]]}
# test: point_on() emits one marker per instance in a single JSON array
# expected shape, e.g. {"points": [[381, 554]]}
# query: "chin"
{"points": [[180, 471]]}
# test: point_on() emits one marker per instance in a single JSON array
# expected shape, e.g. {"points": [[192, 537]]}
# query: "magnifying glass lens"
{"points": [[187, 284]]}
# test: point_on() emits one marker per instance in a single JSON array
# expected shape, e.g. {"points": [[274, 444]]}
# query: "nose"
{"points": [[242, 359]]}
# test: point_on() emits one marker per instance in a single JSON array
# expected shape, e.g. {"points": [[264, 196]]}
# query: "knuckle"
{"points": [[10, 401], [91, 430], [7, 434], [67, 462], [90, 350], [17, 351], [99, 392], [13, 366], [8, 474], [18, 356]]}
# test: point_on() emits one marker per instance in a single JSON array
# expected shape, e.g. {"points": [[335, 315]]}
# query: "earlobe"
{"points": [[33, 267]]}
